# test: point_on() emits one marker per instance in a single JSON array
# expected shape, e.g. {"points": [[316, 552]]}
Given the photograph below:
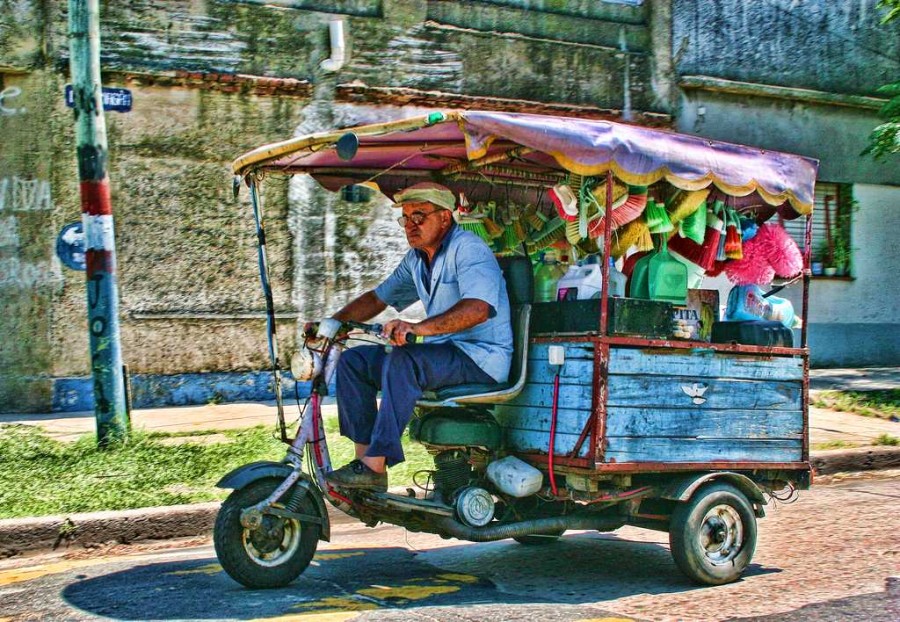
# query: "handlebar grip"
{"points": [[413, 338]]}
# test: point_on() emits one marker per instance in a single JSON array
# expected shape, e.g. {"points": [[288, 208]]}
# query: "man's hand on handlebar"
{"points": [[396, 332]]}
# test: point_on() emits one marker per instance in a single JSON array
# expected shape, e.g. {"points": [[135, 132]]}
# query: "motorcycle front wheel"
{"points": [[272, 555]]}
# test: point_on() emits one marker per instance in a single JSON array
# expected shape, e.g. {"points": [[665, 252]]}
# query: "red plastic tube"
{"points": [[553, 435]]}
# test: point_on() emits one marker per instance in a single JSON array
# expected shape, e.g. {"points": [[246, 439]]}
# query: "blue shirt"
{"points": [[463, 267]]}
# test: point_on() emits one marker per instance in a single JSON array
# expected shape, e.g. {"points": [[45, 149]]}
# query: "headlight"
{"points": [[303, 365]]}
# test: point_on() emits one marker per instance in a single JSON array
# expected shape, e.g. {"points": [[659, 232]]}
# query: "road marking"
{"points": [[334, 605], [461, 578], [408, 592], [209, 569], [309, 617], [330, 556], [29, 573]]}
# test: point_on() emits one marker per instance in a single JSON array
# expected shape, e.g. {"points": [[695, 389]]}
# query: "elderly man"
{"points": [[468, 336]]}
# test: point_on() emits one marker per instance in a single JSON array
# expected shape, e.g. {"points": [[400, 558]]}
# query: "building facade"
{"points": [[211, 79]]}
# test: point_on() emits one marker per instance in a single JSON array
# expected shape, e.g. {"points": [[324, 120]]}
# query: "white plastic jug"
{"points": [[616, 280], [580, 283], [515, 477]]}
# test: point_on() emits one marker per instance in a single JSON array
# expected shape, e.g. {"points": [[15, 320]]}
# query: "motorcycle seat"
{"points": [[517, 272]]}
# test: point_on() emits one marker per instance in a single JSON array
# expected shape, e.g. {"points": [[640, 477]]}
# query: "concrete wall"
{"points": [[839, 50], [212, 79]]}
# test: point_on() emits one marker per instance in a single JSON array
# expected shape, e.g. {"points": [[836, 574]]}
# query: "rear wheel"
{"points": [[539, 539], [713, 535], [271, 555]]}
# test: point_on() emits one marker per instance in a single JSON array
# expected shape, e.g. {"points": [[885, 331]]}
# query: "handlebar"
{"points": [[311, 330]]}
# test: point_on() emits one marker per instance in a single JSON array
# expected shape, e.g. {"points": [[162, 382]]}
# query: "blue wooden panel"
{"points": [[575, 396], [574, 350], [704, 364], [630, 449], [573, 371], [527, 440], [538, 419], [701, 422], [660, 392]]}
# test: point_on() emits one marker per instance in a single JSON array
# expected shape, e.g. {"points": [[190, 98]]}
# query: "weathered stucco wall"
{"points": [[840, 50], [213, 78], [829, 45]]}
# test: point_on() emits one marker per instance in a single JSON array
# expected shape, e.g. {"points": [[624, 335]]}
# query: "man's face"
{"points": [[434, 225]]}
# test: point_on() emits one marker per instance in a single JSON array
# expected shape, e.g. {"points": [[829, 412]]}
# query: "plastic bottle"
{"points": [[616, 280], [747, 302], [546, 276]]}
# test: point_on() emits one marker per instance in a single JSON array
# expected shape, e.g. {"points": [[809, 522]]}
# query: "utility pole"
{"points": [[97, 221]]}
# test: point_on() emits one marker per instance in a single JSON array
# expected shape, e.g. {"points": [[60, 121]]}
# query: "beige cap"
{"points": [[427, 191]]}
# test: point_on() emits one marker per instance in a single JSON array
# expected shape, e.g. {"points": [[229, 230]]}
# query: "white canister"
{"points": [[515, 477], [580, 283]]}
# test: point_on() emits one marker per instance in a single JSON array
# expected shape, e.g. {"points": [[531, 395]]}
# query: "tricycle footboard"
{"points": [[700, 406]]}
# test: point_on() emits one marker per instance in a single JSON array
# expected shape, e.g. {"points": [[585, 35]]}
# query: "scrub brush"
{"points": [[572, 233], [657, 218], [493, 229], [733, 246], [533, 216], [473, 224], [693, 227], [685, 203], [627, 236], [553, 232], [630, 209]]}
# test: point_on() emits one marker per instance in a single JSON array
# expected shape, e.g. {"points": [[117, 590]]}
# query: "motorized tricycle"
{"points": [[612, 414]]}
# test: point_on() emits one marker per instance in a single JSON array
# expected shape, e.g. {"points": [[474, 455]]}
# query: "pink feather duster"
{"points": [[771, 251]]}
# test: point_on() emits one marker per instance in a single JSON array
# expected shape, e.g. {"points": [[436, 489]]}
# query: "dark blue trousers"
{"points": [[402, 375]]}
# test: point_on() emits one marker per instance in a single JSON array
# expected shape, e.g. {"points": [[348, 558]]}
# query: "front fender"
{"points": [[249, 473], [684, 488]]}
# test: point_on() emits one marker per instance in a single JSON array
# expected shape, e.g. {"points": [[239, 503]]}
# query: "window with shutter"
{"points": [[830, 226]]}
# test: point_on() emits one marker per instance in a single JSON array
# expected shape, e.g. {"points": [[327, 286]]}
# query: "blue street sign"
{"points": [[70, 246], [116, 100]]}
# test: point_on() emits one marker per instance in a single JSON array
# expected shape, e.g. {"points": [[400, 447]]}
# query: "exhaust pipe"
{"points": [[538, 526]]}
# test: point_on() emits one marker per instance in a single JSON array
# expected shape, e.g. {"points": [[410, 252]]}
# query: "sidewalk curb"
{"points": [[23, 535], [833, 461]]}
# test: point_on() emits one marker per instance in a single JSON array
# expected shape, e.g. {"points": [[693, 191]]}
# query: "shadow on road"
{"points": [[579, 569]]}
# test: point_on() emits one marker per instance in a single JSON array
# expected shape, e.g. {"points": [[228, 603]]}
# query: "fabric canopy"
{"points": [[510, 147]]}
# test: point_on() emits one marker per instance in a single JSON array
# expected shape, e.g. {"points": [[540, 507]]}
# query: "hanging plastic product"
{"points": [[693, 227], [733, 246], [490, 223], [702, 255], [630, 209], [474, 223], [657, 217], [684, 203], [566, 201]]}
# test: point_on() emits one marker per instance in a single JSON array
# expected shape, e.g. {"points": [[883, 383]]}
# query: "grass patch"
{"points": [[833, 445], [41, 476], [887, 439], [884, 404]]}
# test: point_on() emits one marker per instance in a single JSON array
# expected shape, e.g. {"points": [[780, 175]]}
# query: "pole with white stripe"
{"points": [[96, 214]]}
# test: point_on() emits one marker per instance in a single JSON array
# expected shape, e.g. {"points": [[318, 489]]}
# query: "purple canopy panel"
{"points": [[642, 156]]}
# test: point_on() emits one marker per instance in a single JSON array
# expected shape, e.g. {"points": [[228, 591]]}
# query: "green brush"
{"points": [[657, 217]]}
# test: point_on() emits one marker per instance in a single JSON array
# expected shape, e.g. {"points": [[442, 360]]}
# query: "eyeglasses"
{"points": [[416, 218]]}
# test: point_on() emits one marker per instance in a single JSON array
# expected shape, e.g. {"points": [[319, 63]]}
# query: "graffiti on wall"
{"points": [[20, 196], [24, 195], [7, 106]]}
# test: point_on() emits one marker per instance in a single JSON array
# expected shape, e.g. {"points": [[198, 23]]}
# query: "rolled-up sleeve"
{"points": [[399, 289], [479, 275]]}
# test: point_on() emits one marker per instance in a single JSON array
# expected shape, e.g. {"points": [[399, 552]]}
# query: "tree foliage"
{"points": [[885, 139]]}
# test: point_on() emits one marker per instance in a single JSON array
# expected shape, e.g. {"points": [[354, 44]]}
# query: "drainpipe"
{"points": [[338, 50]]}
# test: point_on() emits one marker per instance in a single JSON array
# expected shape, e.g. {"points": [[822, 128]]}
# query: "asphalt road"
{"points": [[829, 556]]}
